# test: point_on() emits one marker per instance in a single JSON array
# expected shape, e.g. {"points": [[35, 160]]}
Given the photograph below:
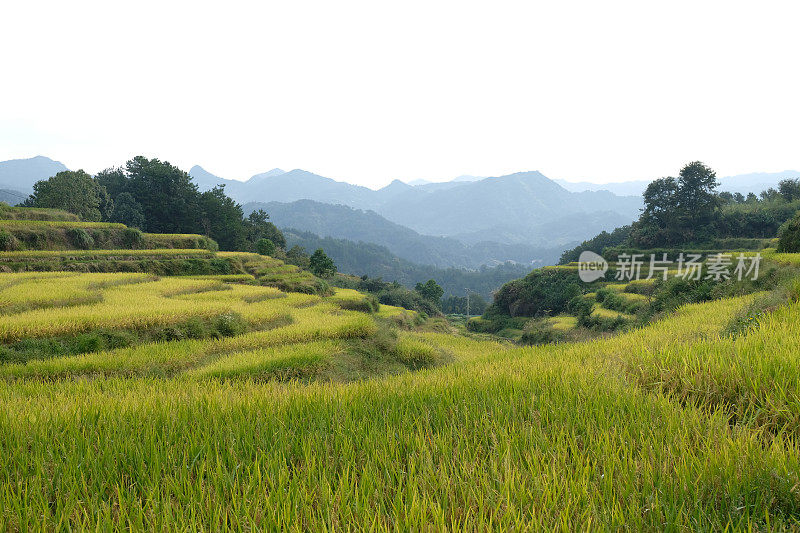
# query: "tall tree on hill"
{"points": [[221, 218], [127, 211], [169, 199], [322, 265], [678, 210], [696, 195], [73, 191], [431, 291], [258, 226]]}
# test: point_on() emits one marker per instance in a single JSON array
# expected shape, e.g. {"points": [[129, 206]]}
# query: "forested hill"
{"points": [[344, 222], [359, 258]]}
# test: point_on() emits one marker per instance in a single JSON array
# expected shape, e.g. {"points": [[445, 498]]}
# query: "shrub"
{"points": [[369, 304], [230, 324], [8, 243], [132, 238], [789, 235], [539, 332], [415, 354], [80, 238]]}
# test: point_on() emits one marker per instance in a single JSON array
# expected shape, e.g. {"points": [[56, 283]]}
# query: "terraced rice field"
{"points": [[668, 427]]}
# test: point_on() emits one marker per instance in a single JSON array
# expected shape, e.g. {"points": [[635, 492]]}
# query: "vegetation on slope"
{"points": [[554, 436]]}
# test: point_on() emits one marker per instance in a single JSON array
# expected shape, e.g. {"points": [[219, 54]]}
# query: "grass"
{"points": [[33, 255], [18, 223], [31, 213], [563, 323], [602, 312], [672, 426]]}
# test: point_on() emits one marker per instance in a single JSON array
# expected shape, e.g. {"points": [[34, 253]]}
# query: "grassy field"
{"points": [[323, 413]]}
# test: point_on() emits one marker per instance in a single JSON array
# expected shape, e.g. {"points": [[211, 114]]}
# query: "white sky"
{"points": [[371, 91]]}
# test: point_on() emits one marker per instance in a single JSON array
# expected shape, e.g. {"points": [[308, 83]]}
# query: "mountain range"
{"points": [[19, 175], [343, 222], [522, 208], [469, 221]]}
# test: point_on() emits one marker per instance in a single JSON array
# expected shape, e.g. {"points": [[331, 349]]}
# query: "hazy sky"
{"points": [[371, 91]]}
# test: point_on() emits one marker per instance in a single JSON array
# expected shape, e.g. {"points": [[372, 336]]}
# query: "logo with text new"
{"points": [[591, 266]]}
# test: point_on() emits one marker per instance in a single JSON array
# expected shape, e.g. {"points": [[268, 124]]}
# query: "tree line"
{"points": [[158, 197], [688, 210]]}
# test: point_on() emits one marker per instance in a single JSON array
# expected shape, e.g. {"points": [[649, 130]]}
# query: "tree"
{"points": [[297, 256], [789, 235], [321, 265], [259, 227], [265, 247], [790, 189], [431, 291], [678, 210], [73, 191], [127, 211], [221, 219], [696, 195], [170, 201]]}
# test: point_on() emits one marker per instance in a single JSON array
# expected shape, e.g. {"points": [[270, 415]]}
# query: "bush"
{"points": [[789, 235], [369, 304], [132, 238], [230, 325], [8, 243], [80, 238], [539, 332]]}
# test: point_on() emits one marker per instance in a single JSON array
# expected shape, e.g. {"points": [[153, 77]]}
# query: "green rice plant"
{"points": [[534, 438], [35, 213], [671, 426], [282, 363], [563, 323], [415, 354]]}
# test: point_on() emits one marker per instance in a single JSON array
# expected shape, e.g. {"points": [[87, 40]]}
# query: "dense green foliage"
{"points": [[265, 247], [543, 291], [431, 291], [687, 209], [73, 191], [321, 265], [156, 197], [597, 244], [462, 305], [388, 293], [789, 235]]}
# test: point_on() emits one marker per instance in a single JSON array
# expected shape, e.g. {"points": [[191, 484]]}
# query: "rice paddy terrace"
{"points": [[241, 398]]}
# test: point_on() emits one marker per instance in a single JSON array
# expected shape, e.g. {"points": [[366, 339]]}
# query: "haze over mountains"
{"points": [[754, 182], [522, 208], [343, 222], [466, 222]]}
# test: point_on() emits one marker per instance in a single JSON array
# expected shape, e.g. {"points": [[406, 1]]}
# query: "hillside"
{"points": [[360, 258], [342, 222], [11, 197], [214, 393]]}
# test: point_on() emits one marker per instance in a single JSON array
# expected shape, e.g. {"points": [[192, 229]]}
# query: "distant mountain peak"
{"points": [[467, 178], [21, 174], [269, 174]]}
